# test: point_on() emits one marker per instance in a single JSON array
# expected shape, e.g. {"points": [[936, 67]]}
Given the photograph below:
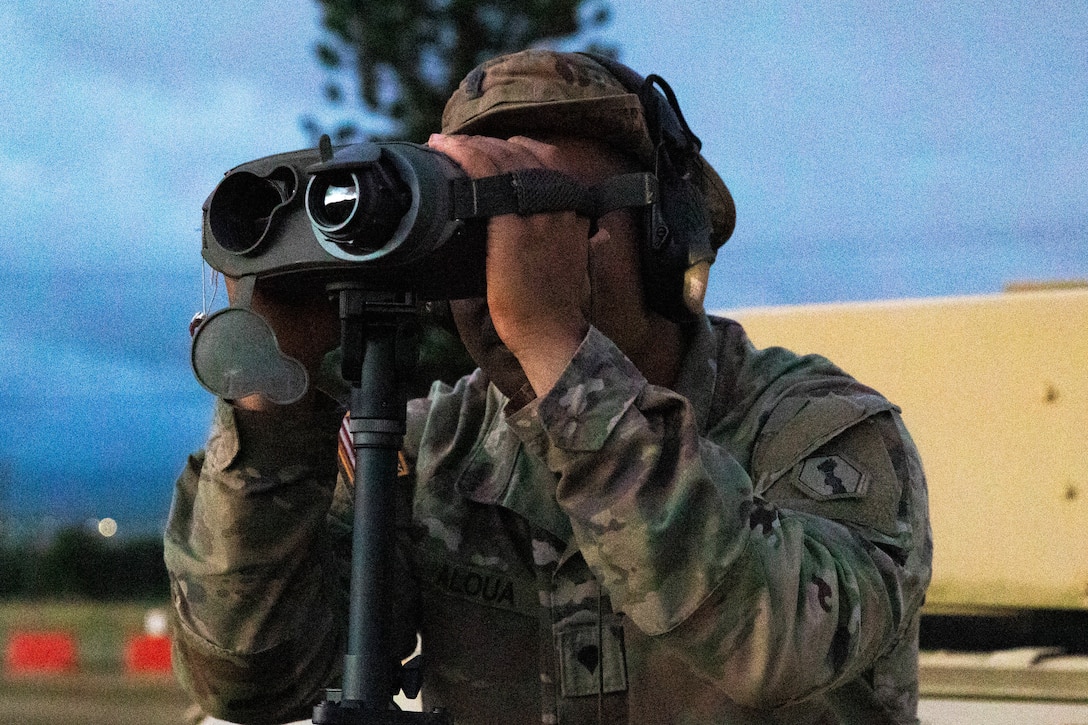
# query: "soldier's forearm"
{"points": [[246, 547]]}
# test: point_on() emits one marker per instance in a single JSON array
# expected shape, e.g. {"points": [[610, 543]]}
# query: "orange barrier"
{"points": [[147, 653], [40, 652]]}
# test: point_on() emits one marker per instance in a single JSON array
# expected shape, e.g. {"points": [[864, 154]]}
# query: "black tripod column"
{"points": [[370, 325], [377, 360], [377, 431]]}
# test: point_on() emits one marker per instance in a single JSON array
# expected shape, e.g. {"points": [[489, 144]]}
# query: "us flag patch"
{"points": [[346, 453]]}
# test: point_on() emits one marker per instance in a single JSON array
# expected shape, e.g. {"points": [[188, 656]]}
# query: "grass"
{"points": [[100, 693], [100, 629]]}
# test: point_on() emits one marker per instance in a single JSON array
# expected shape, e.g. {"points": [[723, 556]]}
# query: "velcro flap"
{"points": [[849, 479], [798, 427], [827, 457]]}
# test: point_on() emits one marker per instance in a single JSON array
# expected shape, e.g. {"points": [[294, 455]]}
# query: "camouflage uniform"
{"points": [[752, 548]]}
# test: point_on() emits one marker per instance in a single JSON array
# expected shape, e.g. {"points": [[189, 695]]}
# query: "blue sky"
{"points": [[875, 150]]}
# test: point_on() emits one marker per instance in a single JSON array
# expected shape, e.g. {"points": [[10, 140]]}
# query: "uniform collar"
{"points": [[699, 370], [499, 471]]}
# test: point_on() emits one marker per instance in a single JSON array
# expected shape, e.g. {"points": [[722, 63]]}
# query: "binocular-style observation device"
{"points": [[392, 218], [383, 214]]}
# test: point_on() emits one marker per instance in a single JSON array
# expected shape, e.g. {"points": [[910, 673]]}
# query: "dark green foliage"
{"points": [[80, 564], [406, 56], [14, 573]]}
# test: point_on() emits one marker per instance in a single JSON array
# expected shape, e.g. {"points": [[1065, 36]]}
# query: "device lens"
{"points": [[334, 200]]}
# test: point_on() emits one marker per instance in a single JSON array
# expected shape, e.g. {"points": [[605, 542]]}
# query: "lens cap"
{"points": [[242, 209], [235, 354]]}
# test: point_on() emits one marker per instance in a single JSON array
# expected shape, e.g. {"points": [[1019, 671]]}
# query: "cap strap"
{"points": [[626, 190]]}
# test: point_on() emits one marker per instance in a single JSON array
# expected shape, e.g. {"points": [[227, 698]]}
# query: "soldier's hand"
{"points": [[537, 266], [306, 325]]}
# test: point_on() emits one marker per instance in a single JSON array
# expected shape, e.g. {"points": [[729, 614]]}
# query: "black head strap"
{"points": [[534, 191], [678, 227]]}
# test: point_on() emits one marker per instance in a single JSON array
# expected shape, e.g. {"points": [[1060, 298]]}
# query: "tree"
{"points": [[80, 564], [407, 56]]}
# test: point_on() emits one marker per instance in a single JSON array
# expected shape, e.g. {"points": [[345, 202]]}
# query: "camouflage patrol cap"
{"points": [[569, 94]]}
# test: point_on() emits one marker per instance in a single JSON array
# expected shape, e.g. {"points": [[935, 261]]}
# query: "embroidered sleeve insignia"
{"points": [[825, 477]]}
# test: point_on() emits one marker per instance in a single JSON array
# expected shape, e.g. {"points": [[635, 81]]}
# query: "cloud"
{"points": [[904, 151], [841, 120], [100, 407], [120, 117], [124, 117], [173, 44]]}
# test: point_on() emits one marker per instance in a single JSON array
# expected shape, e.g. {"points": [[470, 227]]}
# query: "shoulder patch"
{"points": [[799, 426], [827, 477], [850, 478]]}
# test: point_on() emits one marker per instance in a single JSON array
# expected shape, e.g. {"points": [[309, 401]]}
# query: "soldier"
{"points": [[627, 514]]}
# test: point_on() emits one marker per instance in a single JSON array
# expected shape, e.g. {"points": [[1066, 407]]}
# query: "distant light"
{"points": [[107, 527], [156, 623]]}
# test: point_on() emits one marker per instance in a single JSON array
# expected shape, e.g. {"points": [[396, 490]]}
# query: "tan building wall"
{"points": [[995, 392]]}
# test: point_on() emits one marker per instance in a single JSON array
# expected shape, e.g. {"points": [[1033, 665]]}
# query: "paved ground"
{"points": [[970, 712], [116, 700], [91, 700]]}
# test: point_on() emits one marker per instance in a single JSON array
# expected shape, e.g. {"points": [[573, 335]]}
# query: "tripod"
{"points": [[377, 356]]}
